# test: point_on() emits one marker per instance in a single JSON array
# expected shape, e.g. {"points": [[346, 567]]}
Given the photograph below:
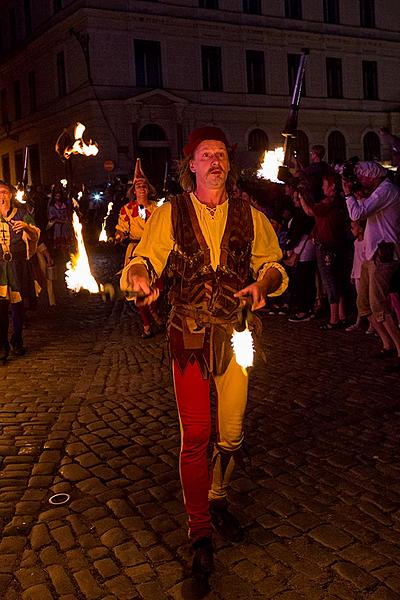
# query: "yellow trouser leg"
{"points": [[231, 405]]}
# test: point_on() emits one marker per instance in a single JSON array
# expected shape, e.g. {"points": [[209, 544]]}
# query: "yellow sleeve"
{"points": [[123, 225], [266, 252], [155, 245]]}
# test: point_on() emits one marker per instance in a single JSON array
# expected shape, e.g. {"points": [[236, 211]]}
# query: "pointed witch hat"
{"points": [[140, 176]]}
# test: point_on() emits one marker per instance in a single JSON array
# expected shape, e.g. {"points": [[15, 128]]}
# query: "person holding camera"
{"points": [[371, 195]]}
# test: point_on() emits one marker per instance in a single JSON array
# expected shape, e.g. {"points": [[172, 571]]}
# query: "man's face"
{"points": [[5, 197], [368, 184], [141, 190], [210, 164]]}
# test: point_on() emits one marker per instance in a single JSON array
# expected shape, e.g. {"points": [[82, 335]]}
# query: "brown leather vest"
{"points": [[195, 283], [204, 310]]}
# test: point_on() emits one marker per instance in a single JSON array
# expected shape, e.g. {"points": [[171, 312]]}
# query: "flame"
{"points": [[19, 195], [64, 182], [273, 159], [103, 234], [142, 212], [78, 276], [243, 347], [79, 146]]}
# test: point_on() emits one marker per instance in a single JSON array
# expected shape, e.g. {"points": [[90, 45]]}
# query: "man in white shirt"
{"points": [[378, 201]]}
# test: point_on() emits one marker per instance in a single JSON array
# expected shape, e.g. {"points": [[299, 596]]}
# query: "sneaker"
{"points": [[297, 318], [354, 327], [370, 330]]}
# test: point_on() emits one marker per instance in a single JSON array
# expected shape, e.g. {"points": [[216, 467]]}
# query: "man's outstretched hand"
{"points": [[253, 295], [139, 284]]}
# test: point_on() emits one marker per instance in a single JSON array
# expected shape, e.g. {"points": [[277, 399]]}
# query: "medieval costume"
{"points": [[16, 280], [131, 223], [210, 257]]}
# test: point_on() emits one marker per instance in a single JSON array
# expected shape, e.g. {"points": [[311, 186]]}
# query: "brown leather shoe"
{"points": [[203, 560]]}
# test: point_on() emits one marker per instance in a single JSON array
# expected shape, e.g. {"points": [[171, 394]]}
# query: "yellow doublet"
{"points": [[157, 241]]}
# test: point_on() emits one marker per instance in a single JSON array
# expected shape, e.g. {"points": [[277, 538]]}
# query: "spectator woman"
{"points": [[331, 241]]}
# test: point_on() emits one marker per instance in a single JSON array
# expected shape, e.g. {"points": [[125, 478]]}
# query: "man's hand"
{"points": [[19, 226], [347, 187], [253, 294], [139, 283]]}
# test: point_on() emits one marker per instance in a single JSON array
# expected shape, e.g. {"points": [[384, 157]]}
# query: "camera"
{"points": [[349, 173]]}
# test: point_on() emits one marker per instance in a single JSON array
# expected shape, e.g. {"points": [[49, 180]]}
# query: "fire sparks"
{"points": [[78, 276], [20, 196], [243, 347], [142, 212], [103, 234], [80, 146], [273, 159]]}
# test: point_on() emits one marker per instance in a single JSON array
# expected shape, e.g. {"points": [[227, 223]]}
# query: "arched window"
{"points": [[258, 141], [336, 147], [152, 133], [302, 147], [372, 146]]}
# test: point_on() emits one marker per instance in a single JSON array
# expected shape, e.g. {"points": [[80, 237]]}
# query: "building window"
{"points": [[28, 17], [331, 11], [334, 78], [13, 28], [367, 13], [57, 5], [372, 146], [370, 79], [252, 7], [211, 64], [209, 4], [18, 165], [17, 100], [148, 64], [255, 71], [32, 91], [4, 106], [293, 9], [258, 141], [34, 164], [5, 167], [293, 61], [61, 77], [152, 133], [336, 147], [302, 148]]}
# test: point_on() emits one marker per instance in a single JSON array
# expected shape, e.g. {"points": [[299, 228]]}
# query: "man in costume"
{"points": [[220, 253], [131, 221], [18, 242]]}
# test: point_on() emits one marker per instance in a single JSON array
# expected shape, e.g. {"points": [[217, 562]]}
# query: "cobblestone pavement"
{"points": [[90, 411]]}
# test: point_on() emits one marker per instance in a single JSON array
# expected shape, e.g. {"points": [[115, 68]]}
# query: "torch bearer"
{"points": [[290, 129]]}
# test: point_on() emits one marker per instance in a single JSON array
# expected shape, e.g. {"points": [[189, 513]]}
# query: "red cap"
{"points": [[203, 133]]}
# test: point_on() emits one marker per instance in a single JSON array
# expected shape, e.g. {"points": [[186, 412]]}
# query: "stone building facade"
{"points": [[141, 74]]}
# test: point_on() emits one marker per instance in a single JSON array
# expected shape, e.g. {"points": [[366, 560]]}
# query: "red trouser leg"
{"points": [[144, 315], [193, 399]]}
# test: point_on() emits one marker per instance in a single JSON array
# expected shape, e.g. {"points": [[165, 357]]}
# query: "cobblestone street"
{"points": [[90, 411]]}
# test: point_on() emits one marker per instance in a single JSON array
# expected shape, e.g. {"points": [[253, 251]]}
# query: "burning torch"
{"points": [[290, 129], [242, 339], [21, 187]]}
